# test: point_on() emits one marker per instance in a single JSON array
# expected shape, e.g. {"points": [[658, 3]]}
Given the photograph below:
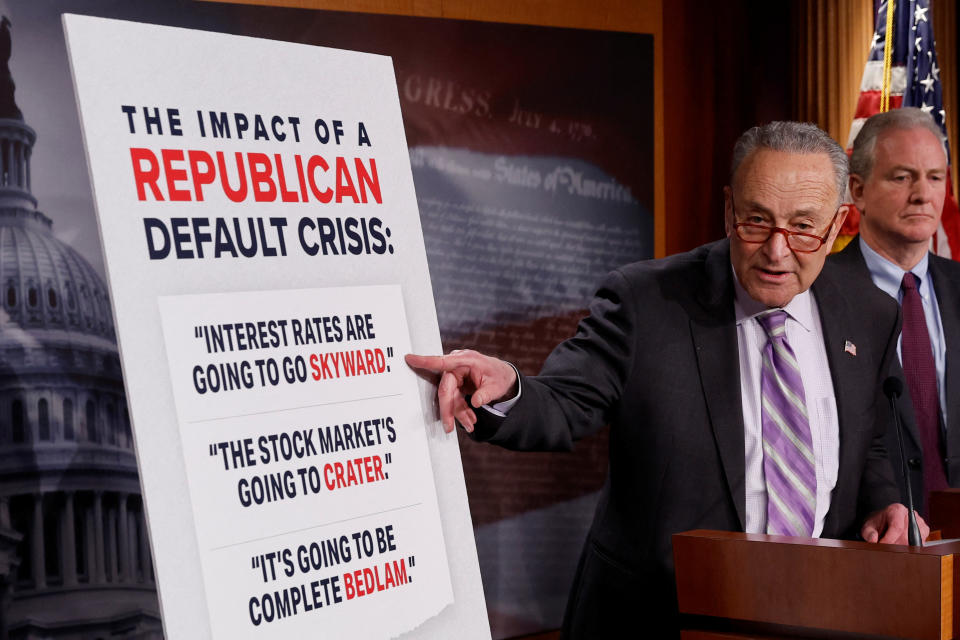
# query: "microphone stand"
{"points": [[893, 387]]}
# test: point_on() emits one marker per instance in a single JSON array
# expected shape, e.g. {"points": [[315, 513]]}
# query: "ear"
{"points": [[728, 210], [857, 184], [837, 225]]}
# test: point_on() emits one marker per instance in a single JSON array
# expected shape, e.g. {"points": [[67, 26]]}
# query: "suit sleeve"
{"points": [[581, 381]]}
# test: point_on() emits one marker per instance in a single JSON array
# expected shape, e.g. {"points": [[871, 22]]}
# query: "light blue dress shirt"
{"points": [[888, 277]]}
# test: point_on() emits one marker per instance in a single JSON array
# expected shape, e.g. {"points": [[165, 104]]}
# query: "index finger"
{"points": [[442, 364], [430, 363]]}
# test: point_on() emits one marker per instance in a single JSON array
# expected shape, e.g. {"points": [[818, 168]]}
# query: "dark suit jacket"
{"points": [[946, 283], [657, 360]]}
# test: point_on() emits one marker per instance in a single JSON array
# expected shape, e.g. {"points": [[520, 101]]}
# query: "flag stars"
{"points": [[920, 14], [918, 41], [935, 70], [926, 108], [875, 41], [928, 83]]}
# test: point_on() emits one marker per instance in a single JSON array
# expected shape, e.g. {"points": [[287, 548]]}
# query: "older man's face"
{"points": [[793, 191], [902, 198]]}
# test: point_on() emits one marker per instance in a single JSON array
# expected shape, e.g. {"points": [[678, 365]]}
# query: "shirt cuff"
{"points": [[503, 408]]}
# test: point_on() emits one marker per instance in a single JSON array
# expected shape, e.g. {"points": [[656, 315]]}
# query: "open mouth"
{"points": [[772, 275]]}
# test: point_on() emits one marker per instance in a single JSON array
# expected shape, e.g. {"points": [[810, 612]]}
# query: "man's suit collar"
{"points": [[888, 275], [801, 308]]}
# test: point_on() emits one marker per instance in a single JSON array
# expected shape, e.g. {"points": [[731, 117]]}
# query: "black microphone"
{"points": [[893, 388]]}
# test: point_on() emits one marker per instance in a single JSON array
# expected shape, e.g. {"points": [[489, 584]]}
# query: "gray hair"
{"points": [[792, 137], [861, 160]]}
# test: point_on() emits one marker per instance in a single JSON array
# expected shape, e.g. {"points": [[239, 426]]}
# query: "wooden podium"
{"points": [[739, 585]]}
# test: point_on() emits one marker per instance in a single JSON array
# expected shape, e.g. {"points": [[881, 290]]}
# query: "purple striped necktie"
{"points": [[788, 461], [921, 374]]}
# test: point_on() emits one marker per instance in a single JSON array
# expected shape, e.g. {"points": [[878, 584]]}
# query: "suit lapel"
{"points": [[714, 333], [835, 320]]}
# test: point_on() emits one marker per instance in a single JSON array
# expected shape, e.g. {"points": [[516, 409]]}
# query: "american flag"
{"points": [[914, 82]]}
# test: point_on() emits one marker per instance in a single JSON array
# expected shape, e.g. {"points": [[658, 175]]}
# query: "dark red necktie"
{"points": [[921, 374]]}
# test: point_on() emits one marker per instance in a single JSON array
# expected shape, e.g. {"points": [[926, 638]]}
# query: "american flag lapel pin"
{"points": [[850, 348]]}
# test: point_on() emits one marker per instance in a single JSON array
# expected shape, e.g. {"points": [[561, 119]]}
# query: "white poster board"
{"points": [[267, 271]]}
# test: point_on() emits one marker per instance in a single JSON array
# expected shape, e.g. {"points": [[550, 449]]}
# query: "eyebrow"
{"points": [[909, 169], [759, 208]]}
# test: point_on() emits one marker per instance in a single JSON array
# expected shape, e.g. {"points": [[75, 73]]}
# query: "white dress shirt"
{"points": [[805, 336]]}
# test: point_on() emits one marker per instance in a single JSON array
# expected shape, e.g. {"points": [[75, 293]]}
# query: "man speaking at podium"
{"points": [[740, 382]]}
